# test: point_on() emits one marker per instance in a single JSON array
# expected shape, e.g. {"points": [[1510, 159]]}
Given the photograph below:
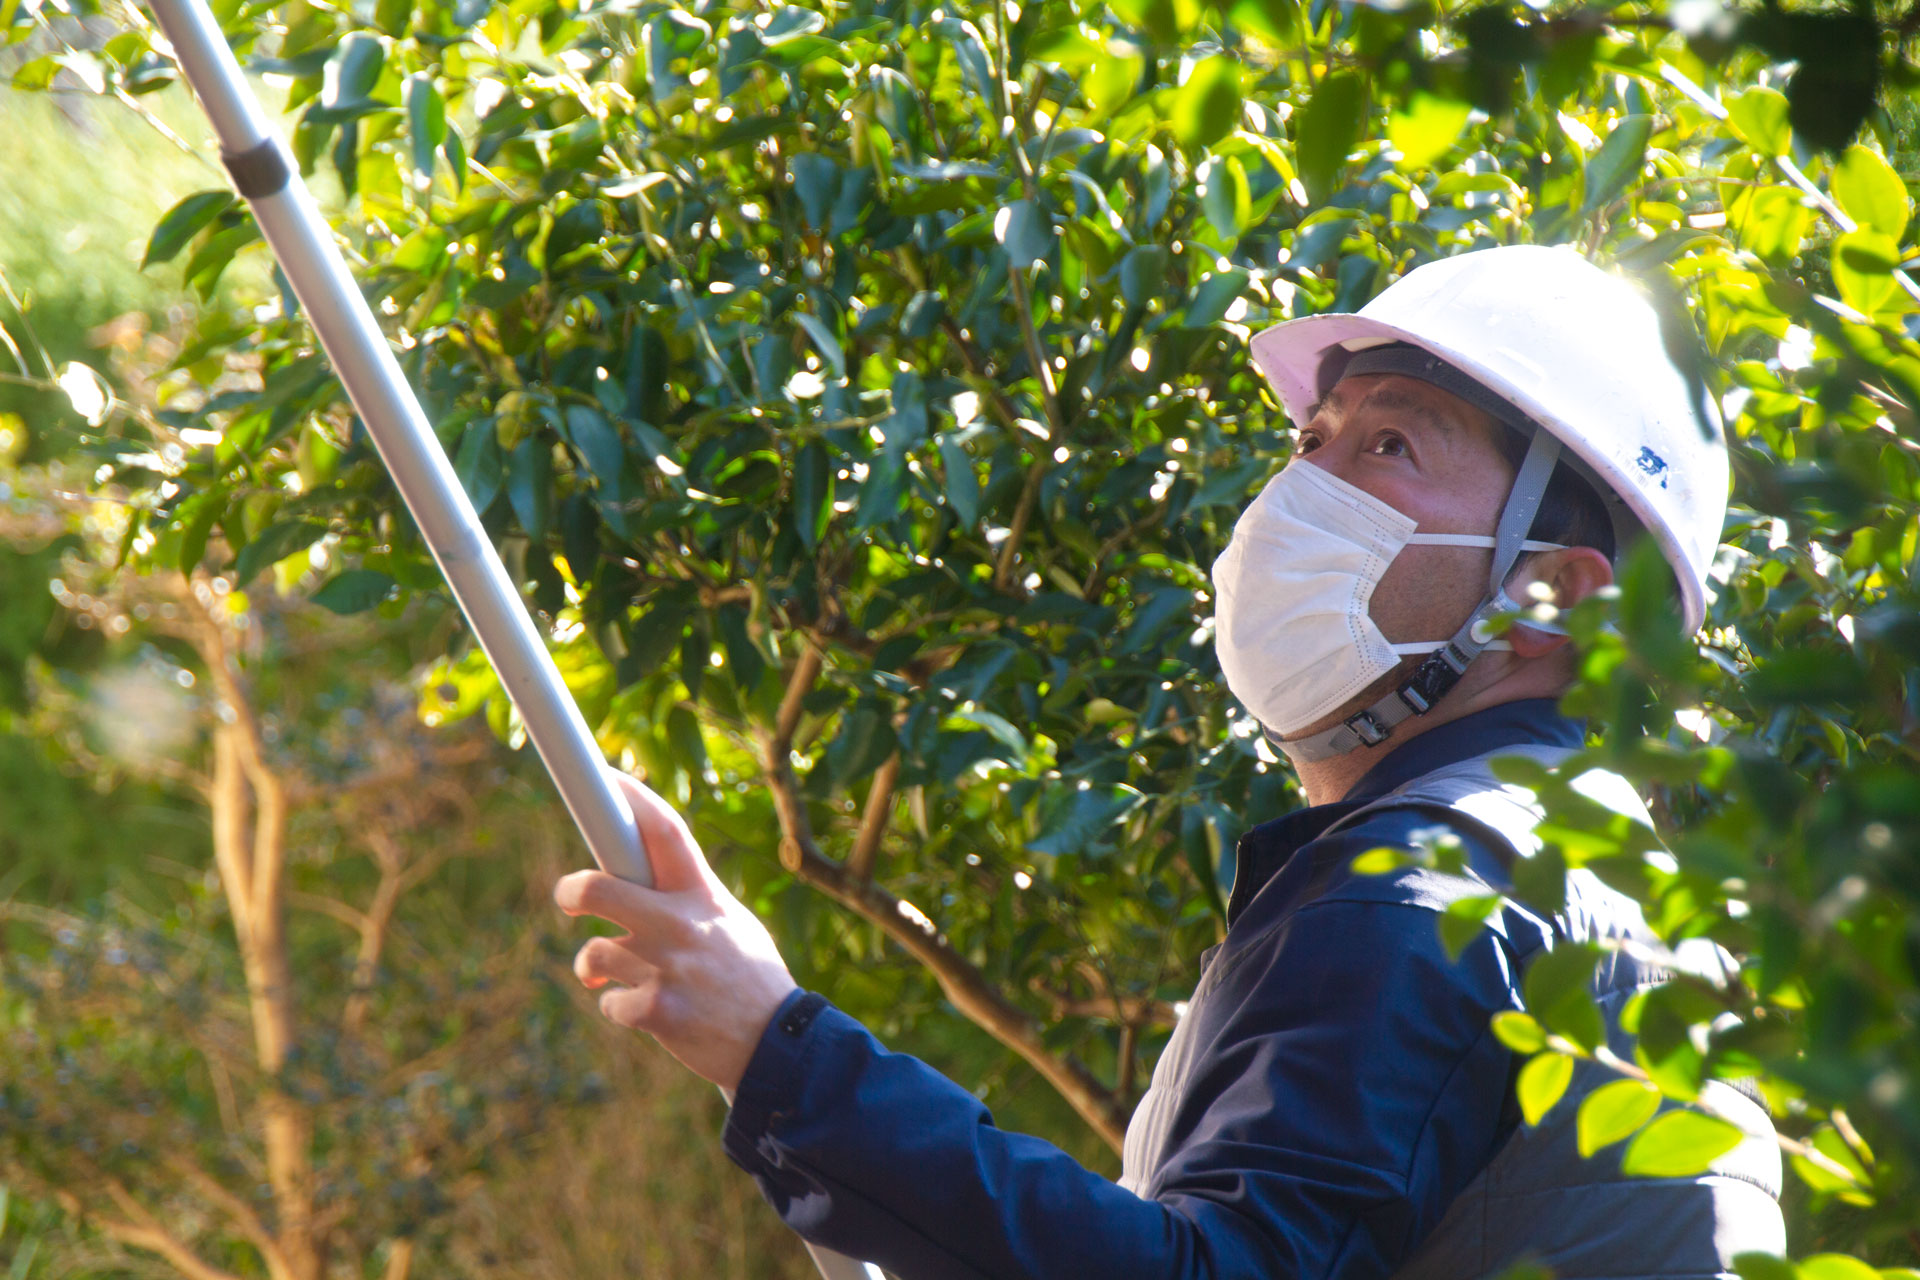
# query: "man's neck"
{"points": [[1325, 781]]}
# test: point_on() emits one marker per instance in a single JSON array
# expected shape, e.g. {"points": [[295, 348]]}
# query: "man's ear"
{"points": [[1570, 576]]}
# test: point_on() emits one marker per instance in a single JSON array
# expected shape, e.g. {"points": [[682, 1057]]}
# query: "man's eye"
{"points": [[1306, 443], [1390, 444]]}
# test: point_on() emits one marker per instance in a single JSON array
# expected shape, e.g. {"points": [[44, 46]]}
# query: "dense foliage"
{"points": [[861, 394]]}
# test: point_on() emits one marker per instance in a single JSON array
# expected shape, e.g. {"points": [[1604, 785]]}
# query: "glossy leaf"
{"points": [[1614, 1112], [1871, 193], [1208, 104], [1327, 129], [1679, 1144], [354, 591], [182, 223], [1542, 1083]]}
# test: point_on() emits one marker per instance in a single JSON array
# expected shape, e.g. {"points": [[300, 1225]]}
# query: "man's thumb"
{"points": [[669, 846]]}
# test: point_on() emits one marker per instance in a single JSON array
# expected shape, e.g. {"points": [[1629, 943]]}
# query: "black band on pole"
{"points": [[258, 171]]}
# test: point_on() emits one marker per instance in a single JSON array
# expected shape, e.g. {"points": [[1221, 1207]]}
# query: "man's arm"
{"points": [[1346, 1091]]}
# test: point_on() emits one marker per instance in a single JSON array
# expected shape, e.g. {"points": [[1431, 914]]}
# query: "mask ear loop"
{"points": [[1432, 679]]}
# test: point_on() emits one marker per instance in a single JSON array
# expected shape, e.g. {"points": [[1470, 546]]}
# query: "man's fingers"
{"points": [[636, 1007], [677, 861], [605, 960], [645, 913]]}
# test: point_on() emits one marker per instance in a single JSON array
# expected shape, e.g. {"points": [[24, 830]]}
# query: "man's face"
{"points": [[1433, 457]]}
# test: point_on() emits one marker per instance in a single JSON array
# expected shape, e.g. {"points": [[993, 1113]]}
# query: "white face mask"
{"points": [[1291, 620]]}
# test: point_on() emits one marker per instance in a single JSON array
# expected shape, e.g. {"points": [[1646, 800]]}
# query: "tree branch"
{"points": [[238, 1209], [1128, 1011], [399, 1259], [142, 1232], [962, 983], [874, 820], [1022, 514]]}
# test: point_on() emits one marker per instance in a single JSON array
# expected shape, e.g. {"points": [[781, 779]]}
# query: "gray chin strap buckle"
{"points": [[1366, 727]]}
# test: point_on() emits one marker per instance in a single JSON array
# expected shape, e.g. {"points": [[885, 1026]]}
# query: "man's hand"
{"points": [[696, 969]]}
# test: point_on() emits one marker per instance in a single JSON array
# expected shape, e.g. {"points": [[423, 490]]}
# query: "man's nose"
{"points": [[1329, 457]]}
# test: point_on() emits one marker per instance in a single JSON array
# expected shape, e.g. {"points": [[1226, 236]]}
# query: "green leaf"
{"points": [[1518, 1031], [36, 75], [962, 490], [600, 447], [812, 493], [354, 591], [1326, 129], [353, 71], [1275, 21], [530, 485], [787, 24], [1760, 117], [1557, 993], [1167, 21], [1542, 1083], [1110, 85], [479, 464], [823, 341], [1024, 230], [1614, 1112], [275, 543], [196, 518], [1214, 297], [865, 740], [181, 223], [999, 728], [1142, 273], [1764, 1266], [1612, 168], [688, 744], [1679, 1144], [1379, 862], [816, 180], [1871, 193], [1818, 1177], [1064, 46], [1075, 816], [426, 120], [1771, 221], [1863, 263], [1426, 129], [1207, 106], [1463, 920], [1226, 197], [1836, 1266]]}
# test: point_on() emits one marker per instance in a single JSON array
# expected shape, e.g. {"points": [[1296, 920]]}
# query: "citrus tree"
{"points": [[859, 392]]}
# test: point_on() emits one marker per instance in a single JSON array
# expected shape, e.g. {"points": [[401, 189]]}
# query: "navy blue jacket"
{"points": [[1348, 1087]]}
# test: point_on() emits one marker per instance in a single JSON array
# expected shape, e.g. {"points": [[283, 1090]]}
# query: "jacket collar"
{"points": [[1509, 724], [1266, 848]]}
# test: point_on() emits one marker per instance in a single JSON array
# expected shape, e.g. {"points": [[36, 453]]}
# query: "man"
{"points": [[1489, 430]]}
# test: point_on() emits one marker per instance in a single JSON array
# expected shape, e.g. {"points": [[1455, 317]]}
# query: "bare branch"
{"points": [[806, 670], [874, 820], [140, 1229], [1128, 1011], [962, 983], [236, 1208], [399, 1259]]}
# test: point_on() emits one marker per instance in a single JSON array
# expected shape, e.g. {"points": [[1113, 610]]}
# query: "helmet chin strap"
{"points": [[1433, 678]]}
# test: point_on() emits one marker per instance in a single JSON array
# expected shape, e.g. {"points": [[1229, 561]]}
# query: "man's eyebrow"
{"points": [[1401, 400]]}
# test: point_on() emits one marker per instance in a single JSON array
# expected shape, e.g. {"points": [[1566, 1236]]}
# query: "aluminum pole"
{"points": [[303, 245]]}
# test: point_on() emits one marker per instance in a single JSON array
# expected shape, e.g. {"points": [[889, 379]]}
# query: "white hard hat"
{"points": [[1578, 351]]}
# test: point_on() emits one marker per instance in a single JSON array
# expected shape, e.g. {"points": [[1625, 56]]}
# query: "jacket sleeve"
{"points": [[1347, 1089]]}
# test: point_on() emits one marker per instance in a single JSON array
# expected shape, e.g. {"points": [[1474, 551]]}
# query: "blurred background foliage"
{"points": [[860, 394]]}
